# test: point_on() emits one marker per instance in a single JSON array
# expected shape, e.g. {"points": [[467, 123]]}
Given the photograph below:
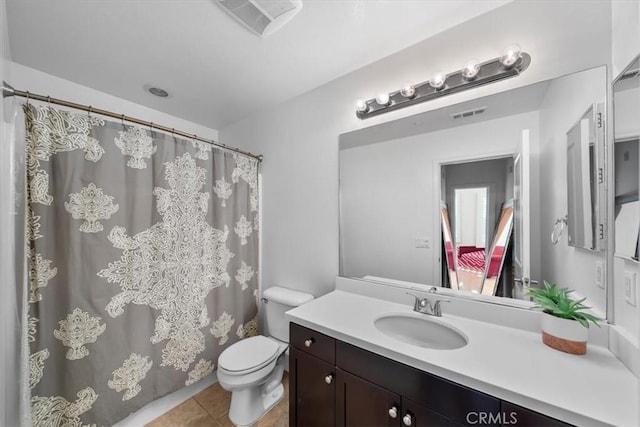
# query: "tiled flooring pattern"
{"points": [[210, 408]]}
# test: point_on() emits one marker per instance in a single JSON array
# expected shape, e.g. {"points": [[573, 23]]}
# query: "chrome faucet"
{"points": [[424, 306]]}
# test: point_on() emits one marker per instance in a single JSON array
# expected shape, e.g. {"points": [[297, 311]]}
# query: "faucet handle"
{"points": [[419, 302], [437, 311]]}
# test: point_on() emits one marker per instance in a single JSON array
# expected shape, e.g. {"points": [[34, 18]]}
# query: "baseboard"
{"points": [[158, 407]]}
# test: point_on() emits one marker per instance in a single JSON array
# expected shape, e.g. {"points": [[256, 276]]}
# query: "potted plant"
{"points": [[565, 324]]}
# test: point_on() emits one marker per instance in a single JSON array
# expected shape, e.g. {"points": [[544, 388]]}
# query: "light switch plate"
{"points": [[600, 274], [422, 242], [630, 286]]}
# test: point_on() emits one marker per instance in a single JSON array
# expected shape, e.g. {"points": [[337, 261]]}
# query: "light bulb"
{"points": [[408, 90], [510, 55], [362, 106], [437, 80], [383, 99], [471, 69]]}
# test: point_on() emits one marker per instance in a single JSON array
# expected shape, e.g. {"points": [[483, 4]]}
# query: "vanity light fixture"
{"points": [[383, 99], [511, 62], [408, 90], [437, 80]]}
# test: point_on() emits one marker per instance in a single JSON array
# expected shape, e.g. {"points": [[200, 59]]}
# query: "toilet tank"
{"points": [[277, 300]]}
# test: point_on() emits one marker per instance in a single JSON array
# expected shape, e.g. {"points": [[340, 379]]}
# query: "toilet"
{"points": [[251, 369]]}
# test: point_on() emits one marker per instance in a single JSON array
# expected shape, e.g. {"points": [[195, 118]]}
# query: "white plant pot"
{"points": [[564, 335]]}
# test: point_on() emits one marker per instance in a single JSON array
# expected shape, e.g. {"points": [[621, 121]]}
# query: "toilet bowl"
{"points": [[252, 369]]}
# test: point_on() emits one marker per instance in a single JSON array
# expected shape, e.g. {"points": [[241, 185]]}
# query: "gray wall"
{"points": [[491, 173]]}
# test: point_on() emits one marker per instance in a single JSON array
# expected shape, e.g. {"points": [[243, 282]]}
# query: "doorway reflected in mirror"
{"points": [[476, 191]]}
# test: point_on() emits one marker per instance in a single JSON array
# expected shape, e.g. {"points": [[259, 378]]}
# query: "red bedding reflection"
{"points": [[471, 257], [496, 260]]}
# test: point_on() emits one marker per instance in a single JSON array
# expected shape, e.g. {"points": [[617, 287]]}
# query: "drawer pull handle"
{"points": [[307, 343], [393, 412], [407, 420], [328, 379]]}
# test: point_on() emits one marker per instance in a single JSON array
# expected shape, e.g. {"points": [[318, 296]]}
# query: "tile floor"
{"points": [[210, 407]]}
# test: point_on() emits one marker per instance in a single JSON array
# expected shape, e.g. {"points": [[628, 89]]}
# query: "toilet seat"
{"points": [[248, 355]]}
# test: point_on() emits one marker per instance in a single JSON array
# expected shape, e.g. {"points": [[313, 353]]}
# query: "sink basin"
{"points": [[421, 331]]}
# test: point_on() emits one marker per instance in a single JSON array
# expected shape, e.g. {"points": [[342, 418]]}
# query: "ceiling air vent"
{"points": [[263, 17], [469, 113]]}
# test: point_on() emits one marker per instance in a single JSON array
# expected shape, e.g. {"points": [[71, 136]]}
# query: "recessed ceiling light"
{"points": [[158, 92]]}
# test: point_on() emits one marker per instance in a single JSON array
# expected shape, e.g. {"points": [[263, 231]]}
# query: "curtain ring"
{"points": [[122, 119], [173, 132], [89, 111], [150, 126], [28, 96], [48, 101]]}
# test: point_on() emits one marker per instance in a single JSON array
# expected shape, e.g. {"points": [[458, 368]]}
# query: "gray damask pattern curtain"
{"points": [[143, 263]]}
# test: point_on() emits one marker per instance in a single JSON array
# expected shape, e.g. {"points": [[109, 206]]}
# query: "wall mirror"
{"points": [[626, 106], [465, 197], [583, 171]]}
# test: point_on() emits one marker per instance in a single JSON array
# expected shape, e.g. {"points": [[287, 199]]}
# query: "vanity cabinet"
{"points": [[360, 403], [312, 391], [312, 372], [332, 383]]}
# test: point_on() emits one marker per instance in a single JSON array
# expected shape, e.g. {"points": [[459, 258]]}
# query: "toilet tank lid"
{"points": [[286, 296]]}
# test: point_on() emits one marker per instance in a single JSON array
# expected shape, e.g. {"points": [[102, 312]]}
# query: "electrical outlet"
{"points": [[600, 274], [630, 286], [422, 242]]}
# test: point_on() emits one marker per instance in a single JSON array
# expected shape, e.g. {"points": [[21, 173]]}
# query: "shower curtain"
{"points": [[143, 258]]}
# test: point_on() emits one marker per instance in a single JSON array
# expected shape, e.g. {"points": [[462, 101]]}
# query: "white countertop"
{"points": [[508, 363]]}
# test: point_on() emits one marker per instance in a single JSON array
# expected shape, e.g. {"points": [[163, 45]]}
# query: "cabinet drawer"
{"points": [[312, 342]]}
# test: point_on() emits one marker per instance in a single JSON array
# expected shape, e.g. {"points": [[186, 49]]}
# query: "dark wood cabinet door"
{"points": [[360, 403], [311, 391], [417, 415]]}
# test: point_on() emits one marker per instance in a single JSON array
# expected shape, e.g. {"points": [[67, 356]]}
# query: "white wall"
{"points": [[34, 81], [391, 187], [625, 33], [300, 138], [25, 78], [566, 101]]}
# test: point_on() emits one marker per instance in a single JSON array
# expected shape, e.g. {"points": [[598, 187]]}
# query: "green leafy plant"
{"points": [[556, 302]]}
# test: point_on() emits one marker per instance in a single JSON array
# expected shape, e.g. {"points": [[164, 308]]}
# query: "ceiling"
{"points": [[216, 71]]}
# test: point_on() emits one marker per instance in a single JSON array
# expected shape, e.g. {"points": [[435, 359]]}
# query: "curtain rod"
{"points": [[7, 90]]}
